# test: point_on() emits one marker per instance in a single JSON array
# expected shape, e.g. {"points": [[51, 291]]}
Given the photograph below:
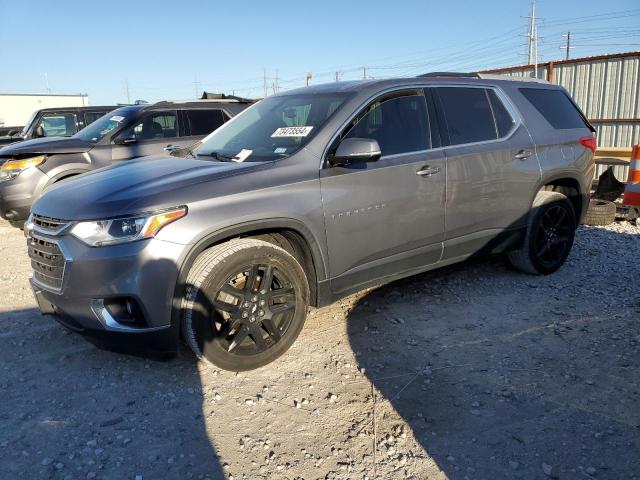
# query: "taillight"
{"points": [[589, 142]]}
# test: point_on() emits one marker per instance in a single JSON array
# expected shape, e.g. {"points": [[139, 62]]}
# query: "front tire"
{"points": [[549, 236], [245, 304]]}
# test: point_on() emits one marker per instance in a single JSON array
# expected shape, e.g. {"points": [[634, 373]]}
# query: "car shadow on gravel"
{"points": [[71, 410], [499, 383]]}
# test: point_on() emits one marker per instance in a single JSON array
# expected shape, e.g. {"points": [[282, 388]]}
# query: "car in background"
{"points": [[56, 122], [30, 167]]}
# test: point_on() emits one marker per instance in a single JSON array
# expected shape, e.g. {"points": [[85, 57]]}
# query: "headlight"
{"points": [[12, 168], [99, 233]]}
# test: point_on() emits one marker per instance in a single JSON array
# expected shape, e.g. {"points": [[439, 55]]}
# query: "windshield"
{"points": [[27, 125], [104, 125], [274, 128]]}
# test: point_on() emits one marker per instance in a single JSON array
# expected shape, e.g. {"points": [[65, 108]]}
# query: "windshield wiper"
{"points": [[218, 156]]}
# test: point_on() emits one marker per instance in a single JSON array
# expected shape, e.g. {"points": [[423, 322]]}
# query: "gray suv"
{"points": [[303, 198], [29, 168]]}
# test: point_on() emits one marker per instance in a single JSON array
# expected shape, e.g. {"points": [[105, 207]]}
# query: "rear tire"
{"points": [[549, 236], [600, 213], [245, 304]]}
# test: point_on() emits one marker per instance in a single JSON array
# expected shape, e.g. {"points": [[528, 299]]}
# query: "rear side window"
{"points": [[90, 117], [398, 124], [203, 122], [468, 114], [556, 107]]}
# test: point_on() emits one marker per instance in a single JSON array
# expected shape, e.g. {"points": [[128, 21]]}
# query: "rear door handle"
{"points": [[427, 171], [523, 154]]}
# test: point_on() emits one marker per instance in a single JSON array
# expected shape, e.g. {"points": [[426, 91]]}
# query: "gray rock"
{"points": [[549, 470]]}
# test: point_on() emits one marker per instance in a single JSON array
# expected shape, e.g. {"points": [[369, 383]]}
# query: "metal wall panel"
{"points": [[606, 88]]}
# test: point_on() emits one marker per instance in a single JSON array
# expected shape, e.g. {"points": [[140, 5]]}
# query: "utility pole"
{"points": [[535, 43], [264, 80], [196, 86], [337, 76], [276, 87], [46, 81], [532, 35], [568, 46], [364, 73], [126, 89]]}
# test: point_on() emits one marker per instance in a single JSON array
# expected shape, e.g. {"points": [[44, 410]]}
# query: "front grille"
{"points": [[48, 224], [47, 261]]}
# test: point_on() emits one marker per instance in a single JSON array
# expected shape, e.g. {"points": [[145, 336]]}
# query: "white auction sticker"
{"points": [[117, 118], [292, 132], [243, 155]]}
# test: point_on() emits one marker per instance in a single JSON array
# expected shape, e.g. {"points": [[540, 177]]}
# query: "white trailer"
{"points": [[17, 108]]}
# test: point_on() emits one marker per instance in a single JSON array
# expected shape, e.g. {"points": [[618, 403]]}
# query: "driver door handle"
{"points": [[523, 154], [427, 171]]}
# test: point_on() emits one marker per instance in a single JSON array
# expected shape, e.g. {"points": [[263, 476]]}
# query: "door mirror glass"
{"points": [[357, 150], [38, 132]]}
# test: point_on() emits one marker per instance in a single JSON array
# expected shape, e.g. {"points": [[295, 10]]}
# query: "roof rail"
{"points": [[449, 74], [511, 78]]}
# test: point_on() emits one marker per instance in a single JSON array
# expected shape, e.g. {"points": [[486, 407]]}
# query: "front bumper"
{"points": [[17, 195], [143, 272]]}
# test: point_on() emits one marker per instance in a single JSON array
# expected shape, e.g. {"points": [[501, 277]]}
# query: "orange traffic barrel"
{"points": [[632, 190]]}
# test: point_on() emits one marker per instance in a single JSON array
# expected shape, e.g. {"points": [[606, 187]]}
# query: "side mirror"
{"points": [[357, 150], [39, 132], [125, 140], [11, 133]]}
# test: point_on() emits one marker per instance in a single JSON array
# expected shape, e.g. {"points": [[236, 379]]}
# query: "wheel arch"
{"points": [[568, 185], [301, 242]]}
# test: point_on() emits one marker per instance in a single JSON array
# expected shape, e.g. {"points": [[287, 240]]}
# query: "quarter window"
{"points": [[555, 107], [203, 122], [468, 114], [398, 124]]}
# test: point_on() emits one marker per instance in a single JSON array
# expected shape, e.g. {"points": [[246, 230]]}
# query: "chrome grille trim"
{"points": [[48, 225], [48, 262]]}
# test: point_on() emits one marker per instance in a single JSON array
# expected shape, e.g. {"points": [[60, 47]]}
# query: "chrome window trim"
{"points": [[504, 98]]}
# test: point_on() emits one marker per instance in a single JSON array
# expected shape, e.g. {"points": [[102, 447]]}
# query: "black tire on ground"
{"points": [[19, 225], [549, 236], [245, 304], [600, 212]]}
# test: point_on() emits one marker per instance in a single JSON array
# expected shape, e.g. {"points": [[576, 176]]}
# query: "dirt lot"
{"points": [[470, 372]]}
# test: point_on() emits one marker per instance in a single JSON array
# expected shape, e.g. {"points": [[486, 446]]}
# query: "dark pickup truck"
{"points": [[56, 122]]}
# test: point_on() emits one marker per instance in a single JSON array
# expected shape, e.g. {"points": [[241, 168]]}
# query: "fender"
{"points": [[264, 225], [60, 175], [583, 191]]}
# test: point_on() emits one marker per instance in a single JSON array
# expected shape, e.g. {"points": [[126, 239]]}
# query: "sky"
{"points": [[171, 49]]}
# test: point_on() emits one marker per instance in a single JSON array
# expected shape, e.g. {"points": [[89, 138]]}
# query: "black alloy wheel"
{"points": [[245, 303]]}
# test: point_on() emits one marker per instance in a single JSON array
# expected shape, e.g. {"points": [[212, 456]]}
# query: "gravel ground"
{"points": [[470, 372]]}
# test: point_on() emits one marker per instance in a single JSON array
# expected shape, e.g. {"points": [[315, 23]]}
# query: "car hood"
{"points": [[136, 186], [46, 145], [6, 139]]}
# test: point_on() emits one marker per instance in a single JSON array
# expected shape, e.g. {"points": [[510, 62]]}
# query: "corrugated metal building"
{"points": [[607, 88]]}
